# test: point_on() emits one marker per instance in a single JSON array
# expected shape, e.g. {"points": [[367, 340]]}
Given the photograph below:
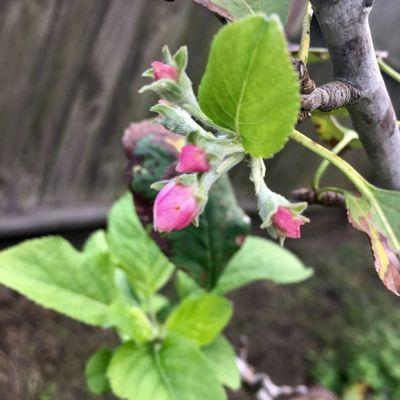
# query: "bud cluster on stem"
{"points": [[209, 152], [178, 203], [206, 155]]}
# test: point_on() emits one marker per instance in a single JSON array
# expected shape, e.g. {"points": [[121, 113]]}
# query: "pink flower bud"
{"points": [[193, 159], [164, 71], [286, 224], [175, 207]]}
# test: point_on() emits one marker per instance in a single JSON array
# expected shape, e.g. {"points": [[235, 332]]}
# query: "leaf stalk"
{"points": [[348, 137]]}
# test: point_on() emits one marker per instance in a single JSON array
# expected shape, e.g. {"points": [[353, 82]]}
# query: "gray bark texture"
{"points": [[345, 27], [330, 96]]}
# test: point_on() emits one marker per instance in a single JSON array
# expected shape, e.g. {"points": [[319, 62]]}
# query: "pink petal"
{"points": [[287, 225], [175, 207], [164, 71], [193, 159]]}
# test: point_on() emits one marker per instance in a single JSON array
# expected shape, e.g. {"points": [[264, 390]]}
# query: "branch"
{"points": [[260, 383], [344, 25], [330, 96], [326, 198], [262, 386]]}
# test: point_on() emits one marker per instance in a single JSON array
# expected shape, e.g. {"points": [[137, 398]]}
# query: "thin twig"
{"points": [[387, 69], [331, 96], [348, 137], [260, 383], [323, 52], [306, 34], [326, 197]]}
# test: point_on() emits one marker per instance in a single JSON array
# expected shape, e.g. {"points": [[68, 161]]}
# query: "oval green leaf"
{"points": [[250, 86], [96, 371], [173, 370], [261, 259], [223, 358], [200, 318]]}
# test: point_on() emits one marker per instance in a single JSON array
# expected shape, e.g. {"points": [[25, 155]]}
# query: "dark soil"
{"points": [[42, 354]]}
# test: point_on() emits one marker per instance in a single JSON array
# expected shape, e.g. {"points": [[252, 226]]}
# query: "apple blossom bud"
{"points": [[193, 159], [164, 71], [286, 224], [175, 207]]}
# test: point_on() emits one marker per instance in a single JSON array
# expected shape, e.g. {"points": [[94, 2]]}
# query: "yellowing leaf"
{"points": [[378, 215], [330, 130]]}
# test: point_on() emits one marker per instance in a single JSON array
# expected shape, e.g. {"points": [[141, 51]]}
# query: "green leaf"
{"points": [[96, 243], [52, 273], [143, 262], [250, 85], [200, 318], [82, 286], [203, 252], [155, 303], [223, 359], [261, 259], [235, 9], [186, 286], [131, 322], [96, 371], [378, 215], [172, 370]]}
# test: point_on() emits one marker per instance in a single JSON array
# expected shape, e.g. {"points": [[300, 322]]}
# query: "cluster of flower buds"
{"points": [[208, 152], [205, 155], [178, 203], [182, 199]]}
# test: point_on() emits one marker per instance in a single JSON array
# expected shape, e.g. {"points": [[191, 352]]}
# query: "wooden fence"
{"points": [[70, 72], [69, 75]]}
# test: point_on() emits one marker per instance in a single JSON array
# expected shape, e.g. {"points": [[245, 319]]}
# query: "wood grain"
{"points": [[70, 72]]}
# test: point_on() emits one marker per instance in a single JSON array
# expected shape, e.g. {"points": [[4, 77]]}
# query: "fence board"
{"points": [[70, 72]]}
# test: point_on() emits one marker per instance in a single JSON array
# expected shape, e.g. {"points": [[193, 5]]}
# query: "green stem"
{"points": [[348, 137], [359, 182], [305, 35], [387, 69]]}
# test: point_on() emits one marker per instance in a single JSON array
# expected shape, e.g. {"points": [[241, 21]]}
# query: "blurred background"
{"points": [[69, 75]]}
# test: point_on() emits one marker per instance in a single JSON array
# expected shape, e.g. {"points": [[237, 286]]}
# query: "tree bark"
{"points": [[345, 27], [331, 96]]}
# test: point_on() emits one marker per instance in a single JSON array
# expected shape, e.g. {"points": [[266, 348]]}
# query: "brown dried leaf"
{"points": [[378, 215]]}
